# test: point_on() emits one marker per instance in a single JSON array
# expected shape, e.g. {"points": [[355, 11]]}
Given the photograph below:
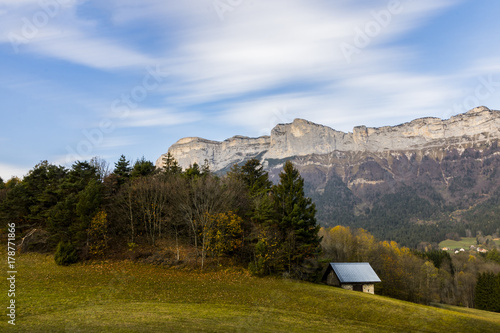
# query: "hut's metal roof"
{"points": [[355, 272]]}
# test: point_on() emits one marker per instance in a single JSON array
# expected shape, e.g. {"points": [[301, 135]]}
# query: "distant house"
{"points": [[358, 276]]}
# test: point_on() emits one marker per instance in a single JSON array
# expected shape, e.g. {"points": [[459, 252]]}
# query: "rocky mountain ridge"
{"points": [[302, 137], [415, 182]]}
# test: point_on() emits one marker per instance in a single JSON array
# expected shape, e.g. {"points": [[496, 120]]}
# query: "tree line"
{"points": [[88, 211]]}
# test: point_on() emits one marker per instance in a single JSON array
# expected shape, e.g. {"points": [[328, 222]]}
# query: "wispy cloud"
{"points": [[155, 117], [56, 30], [349, 102], [18, 3], [91, 51], [251, 62]]}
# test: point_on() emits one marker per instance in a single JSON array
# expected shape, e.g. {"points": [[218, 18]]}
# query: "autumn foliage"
{"points": [[422, 277]]}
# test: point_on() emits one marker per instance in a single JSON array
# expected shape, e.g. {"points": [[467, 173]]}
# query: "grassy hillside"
{"points": [[130, 297]]}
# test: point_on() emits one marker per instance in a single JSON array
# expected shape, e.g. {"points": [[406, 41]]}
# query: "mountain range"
{"points": [[415, 183]]}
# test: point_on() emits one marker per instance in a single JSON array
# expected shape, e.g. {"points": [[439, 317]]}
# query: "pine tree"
{"points": [[122, 169], [87, 205], [255, 178], [142, 168], [205, 168], [485, 294], [43, 190], [170, 165], [296, 218], [265, 246]]}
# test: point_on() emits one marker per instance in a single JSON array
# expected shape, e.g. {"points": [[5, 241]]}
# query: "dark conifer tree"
{"points": [[205, 168], [485, 291], [170, 165], [255, 177], [122, 169], [80, 197], [142, 168], [296, 218]]}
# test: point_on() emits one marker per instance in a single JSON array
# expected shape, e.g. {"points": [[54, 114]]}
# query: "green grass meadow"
{"points": [[464, 242], [122, 296]]}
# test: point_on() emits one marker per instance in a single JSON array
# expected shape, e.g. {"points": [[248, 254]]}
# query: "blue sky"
{"points": [[104, 78]]}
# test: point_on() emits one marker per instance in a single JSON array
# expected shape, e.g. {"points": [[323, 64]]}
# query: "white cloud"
{"points": [[249, 54], [290, 44], [374, 100], [288, 41], [91, 52], [7, 171], [486, 65]]}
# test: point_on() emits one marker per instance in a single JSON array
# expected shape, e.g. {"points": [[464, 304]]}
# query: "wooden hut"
{"points": [[358, 276]]}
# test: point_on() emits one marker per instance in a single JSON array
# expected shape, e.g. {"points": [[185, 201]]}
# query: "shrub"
{"points": [[65, 254]]}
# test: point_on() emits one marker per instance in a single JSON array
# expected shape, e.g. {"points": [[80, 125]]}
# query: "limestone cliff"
{"points": [[219, 155], [413, 182], [301, 138]]}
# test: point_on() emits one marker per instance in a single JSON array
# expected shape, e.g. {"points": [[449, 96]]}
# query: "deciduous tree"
{"points": [[225, 234], [98, 235], [152, 198], [205, 197]]}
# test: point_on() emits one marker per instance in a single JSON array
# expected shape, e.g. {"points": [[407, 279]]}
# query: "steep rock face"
{"points": [[219, 155], [302, 138], [411, 183]]}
